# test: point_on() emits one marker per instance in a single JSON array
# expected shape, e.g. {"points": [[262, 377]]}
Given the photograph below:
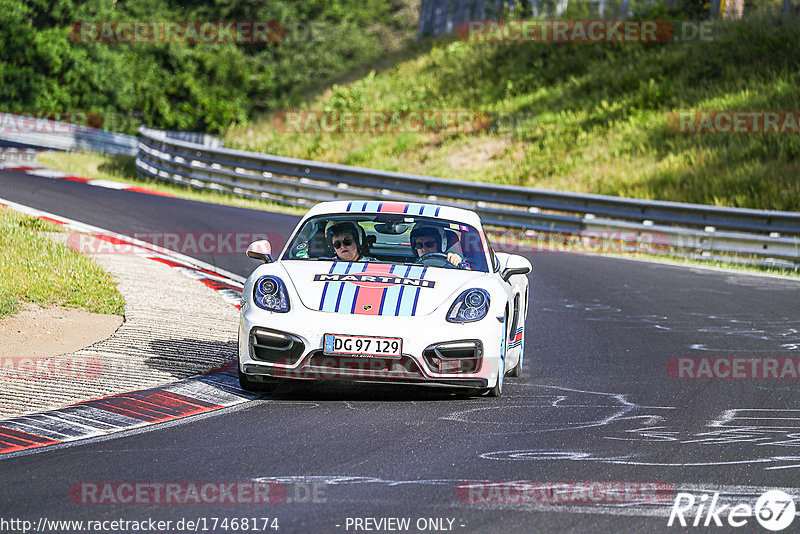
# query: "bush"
{"points": [[203, 87]]}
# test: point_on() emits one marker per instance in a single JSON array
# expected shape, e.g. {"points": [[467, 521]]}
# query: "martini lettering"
{"points": [[392, 280]]}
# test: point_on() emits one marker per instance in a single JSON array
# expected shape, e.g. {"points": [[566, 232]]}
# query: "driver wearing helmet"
{"points": [[345, 238], [429, 239]]}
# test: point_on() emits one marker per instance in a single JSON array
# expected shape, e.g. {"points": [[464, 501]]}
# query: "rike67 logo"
{"points": [[774, 510]]}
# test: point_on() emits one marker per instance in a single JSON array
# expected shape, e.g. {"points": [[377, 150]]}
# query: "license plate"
{"points": [[386, 347]]}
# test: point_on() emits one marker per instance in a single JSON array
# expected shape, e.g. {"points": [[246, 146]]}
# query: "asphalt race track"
{"points": [[595, 404]]}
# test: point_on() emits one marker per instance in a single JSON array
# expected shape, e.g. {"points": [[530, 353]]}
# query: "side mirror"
{"points": [[260, 250], [516, 265]]}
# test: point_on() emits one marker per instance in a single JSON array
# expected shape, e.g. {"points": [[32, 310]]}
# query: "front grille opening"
{"points": [[454, 357], [275, 347], [326, 366]]}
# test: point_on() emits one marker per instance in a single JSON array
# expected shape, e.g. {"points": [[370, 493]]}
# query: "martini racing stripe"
{"points": [[364, 206], [411, 208], [332, 291], [366, 298], [407, 301], [391, 295], [347, 292], [516, 341], [369, 298]]}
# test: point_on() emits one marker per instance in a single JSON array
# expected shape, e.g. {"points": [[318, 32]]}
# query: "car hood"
{"points": [[377, 288]]}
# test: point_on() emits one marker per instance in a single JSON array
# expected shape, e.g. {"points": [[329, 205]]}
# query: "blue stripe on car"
{"points": [[416, 296], [331, 291], [391, 296]]}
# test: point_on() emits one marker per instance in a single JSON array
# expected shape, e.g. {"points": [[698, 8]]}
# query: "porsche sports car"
{"points": [[387, 292]]}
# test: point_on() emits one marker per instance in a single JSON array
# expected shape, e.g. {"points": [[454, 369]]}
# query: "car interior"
{"points": [[385, 237]]}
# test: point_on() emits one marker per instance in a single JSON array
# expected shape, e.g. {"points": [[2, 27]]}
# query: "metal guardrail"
{"points": [[710, 229], [194, 137], [45, 133]]}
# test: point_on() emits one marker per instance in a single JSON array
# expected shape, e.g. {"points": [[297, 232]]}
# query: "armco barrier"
{"points": [[711, 229], [43, 133]]}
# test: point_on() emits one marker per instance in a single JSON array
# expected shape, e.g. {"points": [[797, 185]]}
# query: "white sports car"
{"points": [[385, 291]]}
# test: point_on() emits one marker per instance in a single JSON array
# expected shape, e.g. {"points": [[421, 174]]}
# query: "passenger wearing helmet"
{"points": [[428, 239], [345, 238]]}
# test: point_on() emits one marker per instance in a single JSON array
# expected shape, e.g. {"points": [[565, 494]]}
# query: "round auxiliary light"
{"points": [[267, 286], [475, 299], [470, 314]]}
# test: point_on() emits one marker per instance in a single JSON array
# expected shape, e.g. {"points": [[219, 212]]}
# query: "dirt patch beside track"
{"points": [[38, 332]]}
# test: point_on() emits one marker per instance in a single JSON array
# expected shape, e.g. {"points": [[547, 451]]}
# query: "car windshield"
{"points": [[387, 238]]}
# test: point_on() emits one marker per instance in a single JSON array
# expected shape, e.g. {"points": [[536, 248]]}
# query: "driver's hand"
{"points": [[454, 258]]}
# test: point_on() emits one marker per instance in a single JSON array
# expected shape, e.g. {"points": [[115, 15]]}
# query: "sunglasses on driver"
{"points": [[346, 242]]}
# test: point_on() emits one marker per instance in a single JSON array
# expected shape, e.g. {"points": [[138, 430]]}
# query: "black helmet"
{"points": [[333, 228], [421, 230]]}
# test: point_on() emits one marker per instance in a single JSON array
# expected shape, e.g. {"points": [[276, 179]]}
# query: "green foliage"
{"points": [[583, 117], [186, 86]]}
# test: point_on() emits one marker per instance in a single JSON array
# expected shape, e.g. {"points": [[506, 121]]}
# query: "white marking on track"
{"points": [[621, 406], [47, 173], [109, 184]]}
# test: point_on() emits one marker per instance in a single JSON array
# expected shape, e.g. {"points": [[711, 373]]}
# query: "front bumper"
{"points": [[434, 352]]}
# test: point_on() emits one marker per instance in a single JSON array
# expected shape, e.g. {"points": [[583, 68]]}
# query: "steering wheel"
{"points": [[436, 259]]}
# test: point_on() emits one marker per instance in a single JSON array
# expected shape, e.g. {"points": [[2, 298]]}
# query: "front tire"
{"points": [[496, 391]]}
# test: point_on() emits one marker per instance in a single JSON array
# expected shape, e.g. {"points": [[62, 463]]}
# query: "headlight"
{"points": [[471, 305], [269, 293]]}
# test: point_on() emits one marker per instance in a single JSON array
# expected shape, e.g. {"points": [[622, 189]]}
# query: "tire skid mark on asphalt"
{"points": [[191, 396], [716, 326], [726, 435], [622, 420], [617, 406]]}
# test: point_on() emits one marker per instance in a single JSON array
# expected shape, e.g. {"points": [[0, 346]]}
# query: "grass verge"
{"points": [[34, 268]]}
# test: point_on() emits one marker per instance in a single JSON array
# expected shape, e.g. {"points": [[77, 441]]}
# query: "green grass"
{"points": [[580, 117], [36, 269], [123, 169]]}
